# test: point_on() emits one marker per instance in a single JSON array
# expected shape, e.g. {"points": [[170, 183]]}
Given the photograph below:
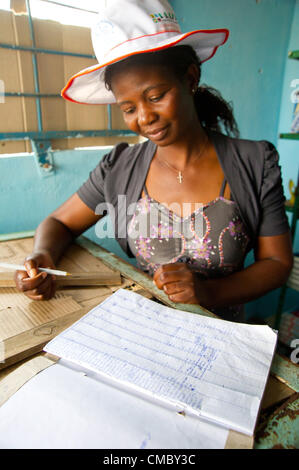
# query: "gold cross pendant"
{"points": [[180, 177]]}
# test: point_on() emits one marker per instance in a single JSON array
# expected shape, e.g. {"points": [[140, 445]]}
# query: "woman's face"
{"points": [[154, 103]]}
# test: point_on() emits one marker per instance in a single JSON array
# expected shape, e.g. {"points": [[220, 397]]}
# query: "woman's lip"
{"points": [[157, 134]]}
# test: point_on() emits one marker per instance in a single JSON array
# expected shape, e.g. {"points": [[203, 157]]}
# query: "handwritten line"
{"points": [[166, 334], [196, 321], [194, 352], [143, 369], [134, 353]]}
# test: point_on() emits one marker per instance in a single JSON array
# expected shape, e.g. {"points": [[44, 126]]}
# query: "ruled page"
{"points": [[212, 368]]}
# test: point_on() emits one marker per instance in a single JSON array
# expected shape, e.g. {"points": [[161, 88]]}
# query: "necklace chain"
{"points": [[180, 173]]}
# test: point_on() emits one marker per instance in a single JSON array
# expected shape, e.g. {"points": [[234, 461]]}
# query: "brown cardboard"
{"points": [[25, 75], [11, 111], [26, 325], [73, 279], [19, 375], [48, 35], [16, 69], [18, 6], [236, 440]]}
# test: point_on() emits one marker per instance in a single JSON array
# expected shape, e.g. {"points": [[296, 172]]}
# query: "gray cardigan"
{"points": [[250, 167]]}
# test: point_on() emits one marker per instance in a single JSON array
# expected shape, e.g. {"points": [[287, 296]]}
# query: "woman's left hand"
{"points": [[178, 281]]}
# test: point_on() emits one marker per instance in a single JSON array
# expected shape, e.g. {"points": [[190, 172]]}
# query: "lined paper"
{"points": [[67, 409], [207, 367]]}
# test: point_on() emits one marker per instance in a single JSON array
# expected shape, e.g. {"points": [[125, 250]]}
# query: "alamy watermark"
{"points": [[295, 354], [2, 91], [295, 93], [148, 226]]}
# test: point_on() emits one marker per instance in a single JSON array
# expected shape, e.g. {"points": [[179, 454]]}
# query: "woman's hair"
{"points": [[213, 111]]}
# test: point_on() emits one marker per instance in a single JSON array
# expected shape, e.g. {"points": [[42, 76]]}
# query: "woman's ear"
{"points": [[192, 78]]}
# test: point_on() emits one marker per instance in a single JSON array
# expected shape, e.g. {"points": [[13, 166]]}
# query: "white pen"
{"points": [[19, 267]]}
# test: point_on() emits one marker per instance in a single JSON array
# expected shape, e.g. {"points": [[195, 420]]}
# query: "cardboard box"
{"points": [[19, 114]]}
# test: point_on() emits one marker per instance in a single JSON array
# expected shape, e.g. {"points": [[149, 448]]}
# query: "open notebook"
{"points": [[211, 368]]}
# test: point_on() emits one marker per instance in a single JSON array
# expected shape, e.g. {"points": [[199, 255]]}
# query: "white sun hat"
{"points": [[128, 27]]}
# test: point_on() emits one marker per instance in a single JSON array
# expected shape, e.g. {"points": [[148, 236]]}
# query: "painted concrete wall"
{"points": [[251, 70], [26, 198], [289, 160], [288, 149]]}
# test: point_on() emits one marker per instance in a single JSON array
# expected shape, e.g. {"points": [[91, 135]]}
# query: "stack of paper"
{"points": [[203, 366]]}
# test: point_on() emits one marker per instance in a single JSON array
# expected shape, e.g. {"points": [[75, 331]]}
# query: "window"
{"points": [[78, 13]]}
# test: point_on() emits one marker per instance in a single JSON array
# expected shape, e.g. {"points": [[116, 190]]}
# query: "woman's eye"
{"points": [[156, 98], [128, 111]]}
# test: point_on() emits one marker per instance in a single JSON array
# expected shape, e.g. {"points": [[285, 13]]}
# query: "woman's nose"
{"points": [[146, 115]]}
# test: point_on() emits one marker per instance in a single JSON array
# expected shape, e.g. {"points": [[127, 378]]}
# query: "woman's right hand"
{"points": [[53, 235], [37, 285]]}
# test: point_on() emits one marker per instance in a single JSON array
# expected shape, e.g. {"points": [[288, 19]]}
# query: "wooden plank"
{"points": [[4, 237], [75, 279], [19, 313], [286, 371], [280, 429], [17, 377], [275, 393], [75, 260], [33, 340], [81, 295], [27, 325], [236, 440]]}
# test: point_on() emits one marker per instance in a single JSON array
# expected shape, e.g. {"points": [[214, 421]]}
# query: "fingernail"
{"points": [[44, 275]]}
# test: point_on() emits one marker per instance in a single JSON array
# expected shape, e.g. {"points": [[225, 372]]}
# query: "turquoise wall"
{"points": [[289, 160], [250, 70], [26, 197], [289, 149]]}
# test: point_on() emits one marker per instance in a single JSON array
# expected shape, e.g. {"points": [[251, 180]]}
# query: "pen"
{"points": [[19, 267]]}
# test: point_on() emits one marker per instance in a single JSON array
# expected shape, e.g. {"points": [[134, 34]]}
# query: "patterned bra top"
{"points": [[212, 240]]}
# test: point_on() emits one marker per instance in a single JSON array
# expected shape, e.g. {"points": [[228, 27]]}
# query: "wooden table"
{"points": [[279, 417]]}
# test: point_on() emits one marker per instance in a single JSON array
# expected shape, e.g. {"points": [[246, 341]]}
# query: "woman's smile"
{"points": [[157, 134]]}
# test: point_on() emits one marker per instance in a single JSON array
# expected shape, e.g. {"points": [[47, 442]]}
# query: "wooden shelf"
{"points": [[293, 55], [290, 136], [289, 208]]}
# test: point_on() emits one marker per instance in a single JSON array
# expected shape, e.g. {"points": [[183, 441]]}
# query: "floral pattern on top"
{"points": [[212, 240]]}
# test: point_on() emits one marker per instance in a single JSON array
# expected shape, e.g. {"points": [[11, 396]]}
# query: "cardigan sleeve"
{"points": [[273, 219], [92, 191]]}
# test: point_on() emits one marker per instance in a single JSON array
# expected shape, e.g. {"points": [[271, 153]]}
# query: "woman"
{"points": [[224, 193]]}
